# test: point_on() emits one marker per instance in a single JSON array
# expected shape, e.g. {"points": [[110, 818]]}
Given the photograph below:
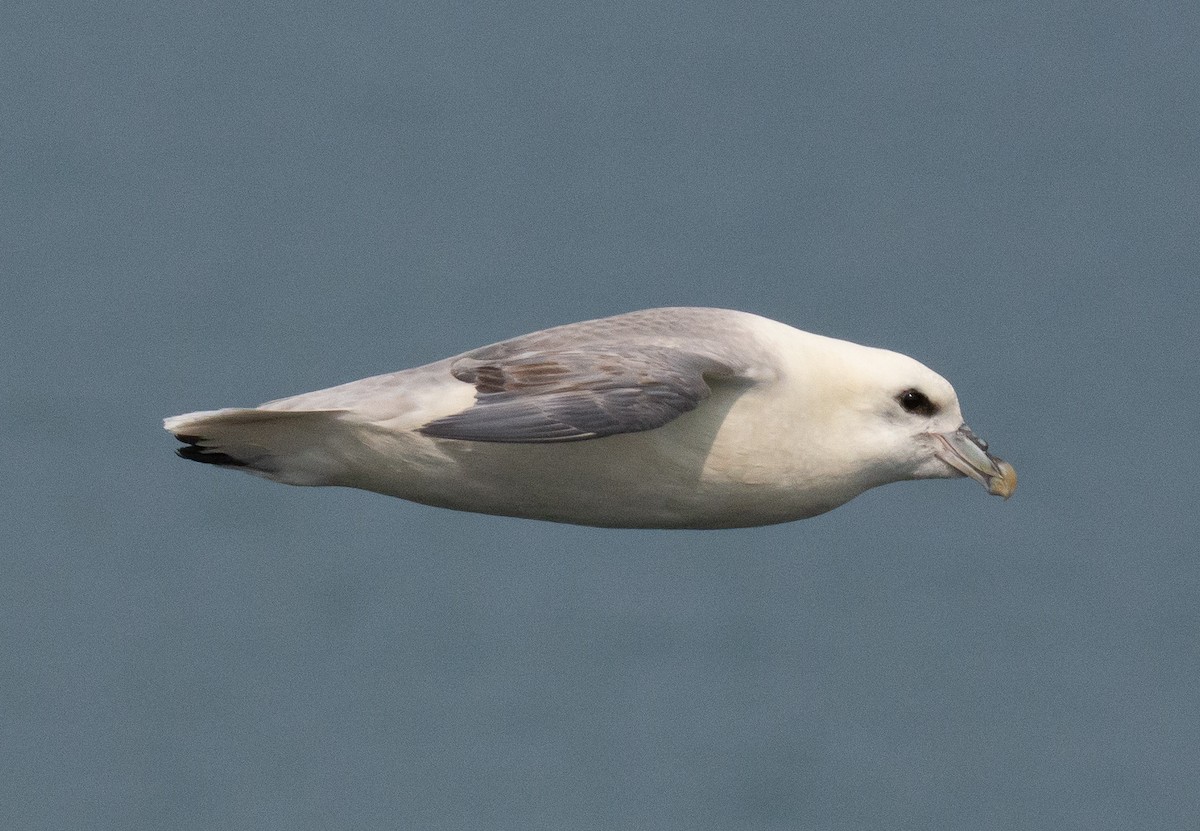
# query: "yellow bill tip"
{"points": [[1005, 481]]}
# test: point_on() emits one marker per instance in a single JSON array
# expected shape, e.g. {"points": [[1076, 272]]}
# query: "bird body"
{"points": [[665, 418]]}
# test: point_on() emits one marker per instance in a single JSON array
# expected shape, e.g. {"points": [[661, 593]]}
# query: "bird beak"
{"points": [[967, 453]]}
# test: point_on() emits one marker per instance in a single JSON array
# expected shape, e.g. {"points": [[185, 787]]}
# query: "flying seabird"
{"points": [[663, 418]]}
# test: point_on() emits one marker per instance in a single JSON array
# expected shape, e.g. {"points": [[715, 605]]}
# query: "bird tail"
{"points": [[289, 446]]}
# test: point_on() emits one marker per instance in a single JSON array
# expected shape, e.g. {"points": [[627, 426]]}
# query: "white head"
{"points": [[896, 419]]}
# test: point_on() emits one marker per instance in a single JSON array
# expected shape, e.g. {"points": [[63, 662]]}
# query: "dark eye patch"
{"points": [[917, 403]]}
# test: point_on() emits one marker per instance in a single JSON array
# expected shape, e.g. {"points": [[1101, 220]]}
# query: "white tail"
{"points": [[289, 446]]}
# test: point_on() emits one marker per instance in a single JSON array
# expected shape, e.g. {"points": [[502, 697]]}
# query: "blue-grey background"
{"points": [[221, 204]]}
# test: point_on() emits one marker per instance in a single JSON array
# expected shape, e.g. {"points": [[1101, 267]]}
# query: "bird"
{"points": [[679, 417]]}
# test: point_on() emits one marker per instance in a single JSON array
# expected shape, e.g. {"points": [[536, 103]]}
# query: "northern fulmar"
{"points": [[663, 418]]}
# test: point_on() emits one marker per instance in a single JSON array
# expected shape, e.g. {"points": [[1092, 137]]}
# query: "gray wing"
{"points": [[582, 393]]}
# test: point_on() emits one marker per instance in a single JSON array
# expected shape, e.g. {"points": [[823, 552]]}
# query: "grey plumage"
{"points": [[592, 379], [569, 396]]}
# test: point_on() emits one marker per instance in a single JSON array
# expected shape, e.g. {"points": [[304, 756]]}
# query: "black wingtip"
{"points": [[193, 452]]}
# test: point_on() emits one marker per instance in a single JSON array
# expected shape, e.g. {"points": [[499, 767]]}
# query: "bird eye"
{"points": [[917, 403]]}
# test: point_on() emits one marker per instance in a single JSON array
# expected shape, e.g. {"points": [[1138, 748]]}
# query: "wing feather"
{"points": [[572, 395]]}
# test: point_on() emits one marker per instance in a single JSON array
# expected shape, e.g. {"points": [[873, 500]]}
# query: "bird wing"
{"points": [[553, 395]]}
